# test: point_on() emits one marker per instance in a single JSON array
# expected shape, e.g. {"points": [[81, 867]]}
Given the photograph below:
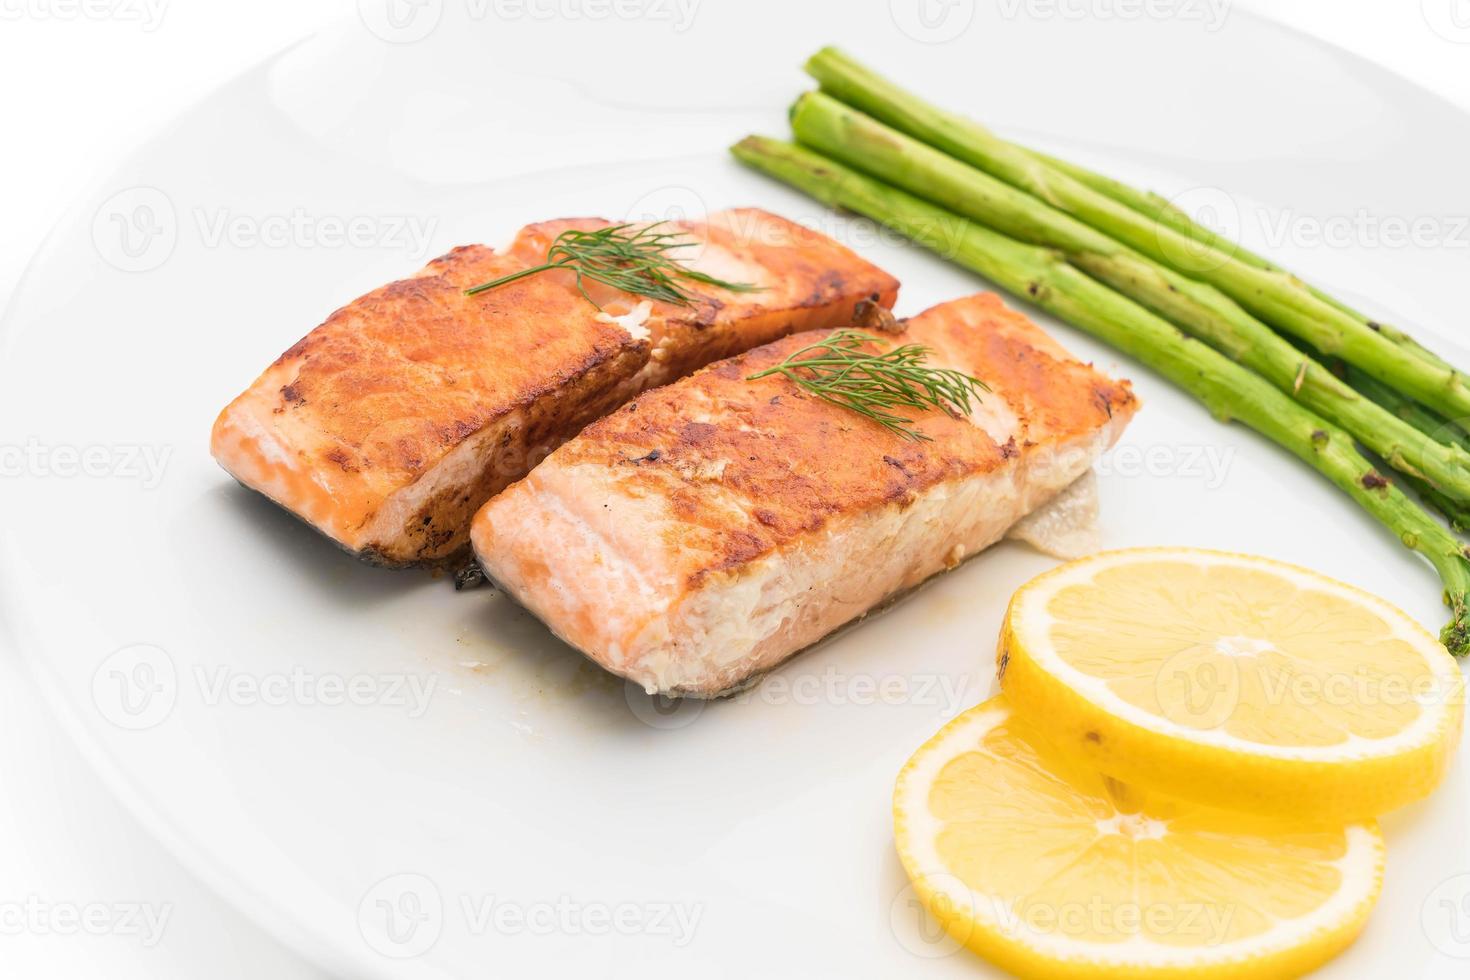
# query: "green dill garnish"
{"points": [[633, 259], [843, 370]]}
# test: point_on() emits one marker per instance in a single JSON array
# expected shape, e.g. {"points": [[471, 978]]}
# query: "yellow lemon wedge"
{"points": [[1049, 869], [1235, 681]]}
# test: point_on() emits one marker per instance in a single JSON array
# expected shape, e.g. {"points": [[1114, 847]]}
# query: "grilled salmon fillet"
{"points": [[391, 423], [708, 530]]}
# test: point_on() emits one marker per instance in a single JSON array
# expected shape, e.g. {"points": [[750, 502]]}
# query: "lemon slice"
{"points": [[1235, 681], [1050, 869]]}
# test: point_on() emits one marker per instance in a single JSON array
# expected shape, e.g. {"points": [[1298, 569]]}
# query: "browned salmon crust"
{"points": [[391, 423], [709, 529]]}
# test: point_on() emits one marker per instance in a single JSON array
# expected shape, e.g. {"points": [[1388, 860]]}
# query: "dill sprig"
{"points": [[843, 370], [633, 259]]}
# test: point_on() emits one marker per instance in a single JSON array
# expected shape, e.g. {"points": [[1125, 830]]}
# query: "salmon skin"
{"points": [[391, 423], [705, 532]]}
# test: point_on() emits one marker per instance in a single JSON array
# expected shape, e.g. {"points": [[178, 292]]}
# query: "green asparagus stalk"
{"points": [[1227, 389], [1454, 511], [1273, 296], [1402, 407], [841, 132], [1162, 210]]}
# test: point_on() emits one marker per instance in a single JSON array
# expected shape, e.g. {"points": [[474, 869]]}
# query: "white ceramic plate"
{"points": [[200, 644]]}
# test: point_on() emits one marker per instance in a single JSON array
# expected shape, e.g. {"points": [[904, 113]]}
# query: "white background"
{"points": [[82, 82]]}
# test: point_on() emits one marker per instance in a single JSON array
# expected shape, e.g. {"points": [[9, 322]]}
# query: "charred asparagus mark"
{"points": [[1373, 481]]}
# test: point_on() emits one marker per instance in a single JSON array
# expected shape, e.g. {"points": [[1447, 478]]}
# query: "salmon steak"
{"points": [[390, 424], [708, 530]]}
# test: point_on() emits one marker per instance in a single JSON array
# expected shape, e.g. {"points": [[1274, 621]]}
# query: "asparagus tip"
{"points": [[1456, 633], [747, 147], [824, 52], [796, 105]]}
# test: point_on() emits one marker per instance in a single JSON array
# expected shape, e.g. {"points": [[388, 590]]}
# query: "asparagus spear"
{"points": [[1453, 511], [1456, 512], [843, 133], [1404, 408], [1227, 389], [1160, 209], [1273, 296]]}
